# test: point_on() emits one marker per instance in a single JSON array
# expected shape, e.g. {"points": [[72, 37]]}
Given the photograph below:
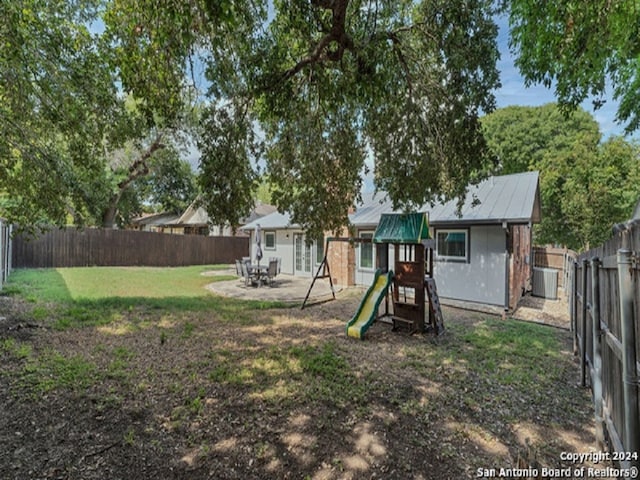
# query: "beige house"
{"points": [[195, 221]]}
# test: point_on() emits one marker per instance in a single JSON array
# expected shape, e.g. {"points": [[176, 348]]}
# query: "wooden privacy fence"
{"points": [[5, 251], [559, 258], [71, 247], [605, 297]]}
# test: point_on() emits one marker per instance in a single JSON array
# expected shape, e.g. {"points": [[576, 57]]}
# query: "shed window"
{"points": [[452, 245], [270, 240]]}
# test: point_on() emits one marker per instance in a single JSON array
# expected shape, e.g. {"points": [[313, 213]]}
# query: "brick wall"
{"points": [[342, 261]]}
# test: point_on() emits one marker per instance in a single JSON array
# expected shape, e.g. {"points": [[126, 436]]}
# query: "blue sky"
{"points": [[513, 91]]}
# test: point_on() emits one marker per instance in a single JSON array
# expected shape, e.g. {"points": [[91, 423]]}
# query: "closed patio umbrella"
{"points": [[258, 245]]}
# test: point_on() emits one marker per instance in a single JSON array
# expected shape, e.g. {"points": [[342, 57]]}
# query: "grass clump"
{"points": [[52, 370]]}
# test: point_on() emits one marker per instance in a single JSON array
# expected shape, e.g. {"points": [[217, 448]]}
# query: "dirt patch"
{"points": [[273, 394], [545, 311]]}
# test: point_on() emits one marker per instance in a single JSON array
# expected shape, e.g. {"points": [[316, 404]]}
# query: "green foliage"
{"points": [[581, 47], [64, 121], [57, 100], [170, 186], [264, 192], [51, 370], [401, 82], [585, 187], [227, 178], [600, 191], [317, 87]]}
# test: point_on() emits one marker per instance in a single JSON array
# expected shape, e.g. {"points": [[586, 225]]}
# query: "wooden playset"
{"points": [[410, 284], [413, 285]]}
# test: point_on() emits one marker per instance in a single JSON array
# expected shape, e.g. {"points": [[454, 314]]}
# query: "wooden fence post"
{"points": [[596, 378], [574, 307], [583, 325], [628, 340]]}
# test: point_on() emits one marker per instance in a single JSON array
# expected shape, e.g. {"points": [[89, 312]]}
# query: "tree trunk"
{"points": [[109, 214], [138, 169]]}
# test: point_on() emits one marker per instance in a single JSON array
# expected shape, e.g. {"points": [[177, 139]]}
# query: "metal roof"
{"points": [[275, 220], [511, 198]]}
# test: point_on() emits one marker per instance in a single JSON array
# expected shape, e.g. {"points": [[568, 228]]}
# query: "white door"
{"points": [[302, 256]]}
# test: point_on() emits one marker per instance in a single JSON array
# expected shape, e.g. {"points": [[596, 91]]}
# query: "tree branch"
{"points": [[337, 34], [395, 40], [139, 167]]}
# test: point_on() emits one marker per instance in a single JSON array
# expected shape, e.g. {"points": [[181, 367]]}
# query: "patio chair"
{"points": [[239, 268], [248, 279], [277, 259], [272, 271]]}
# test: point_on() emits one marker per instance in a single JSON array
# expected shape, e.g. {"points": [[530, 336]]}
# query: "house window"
{"points": [[366, 251], [452, 245], [319, 250], [270, 240]]}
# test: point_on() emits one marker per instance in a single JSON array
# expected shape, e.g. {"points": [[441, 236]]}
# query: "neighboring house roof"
{"points": [[198, 216], [511, 198], [259, 211], [156, 219], [194, 216]]}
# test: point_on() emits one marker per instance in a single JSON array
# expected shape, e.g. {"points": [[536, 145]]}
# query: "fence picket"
{"points": [[71, 247], [601, 302]]}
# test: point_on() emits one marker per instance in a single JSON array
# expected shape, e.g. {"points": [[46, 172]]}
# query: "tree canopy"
{"points": [[65, 119], [308, 90], [585, 186], [329, 83], [583, 48]]}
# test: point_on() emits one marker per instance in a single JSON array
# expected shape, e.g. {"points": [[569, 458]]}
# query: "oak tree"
{"points": [[582, 49]]}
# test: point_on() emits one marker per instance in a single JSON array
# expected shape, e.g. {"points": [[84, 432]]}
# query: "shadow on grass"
{"points": [[272, 404], [90, 312]]}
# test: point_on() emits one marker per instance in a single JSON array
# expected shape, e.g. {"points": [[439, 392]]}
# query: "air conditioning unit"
{"points": [[545, 283]]}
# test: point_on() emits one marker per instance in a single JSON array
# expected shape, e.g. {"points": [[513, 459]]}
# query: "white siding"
{"points": [[481, 280], [284, 249]]}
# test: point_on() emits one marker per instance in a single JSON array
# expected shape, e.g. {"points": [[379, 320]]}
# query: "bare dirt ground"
{"points": [[545, 311], [209, 395]]}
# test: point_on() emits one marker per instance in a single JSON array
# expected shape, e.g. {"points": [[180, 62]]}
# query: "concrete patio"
{"points": [[286, 288]]}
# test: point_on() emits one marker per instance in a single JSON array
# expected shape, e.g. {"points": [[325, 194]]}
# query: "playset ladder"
{"points": [[435, 312]]}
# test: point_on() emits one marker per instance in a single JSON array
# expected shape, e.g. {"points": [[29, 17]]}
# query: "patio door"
{"points": [[302, 256]]}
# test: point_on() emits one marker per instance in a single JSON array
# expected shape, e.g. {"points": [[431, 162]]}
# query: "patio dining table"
{"points": [[259, 272]]}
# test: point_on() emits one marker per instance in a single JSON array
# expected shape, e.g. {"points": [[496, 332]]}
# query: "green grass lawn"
{"points": [[94, 283], [95, 295]]}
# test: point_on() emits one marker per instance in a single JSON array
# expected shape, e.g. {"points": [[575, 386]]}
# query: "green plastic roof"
{"points": [[402, 228]]}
